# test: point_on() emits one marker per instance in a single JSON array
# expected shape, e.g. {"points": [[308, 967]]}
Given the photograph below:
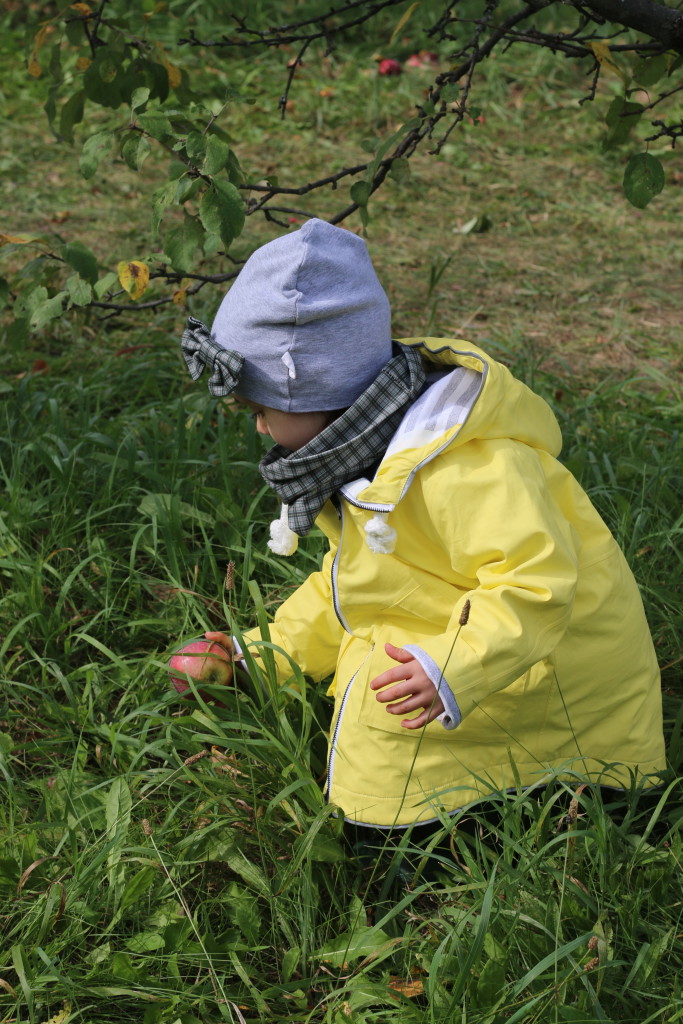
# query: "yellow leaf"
{"points": [[173, 72], [83, 63], [134, 276], [174, 75], [606, 60], [180, 297], [409, 987], [18, 239], [83, 9], [34, 68], [404, 19], [60, 1017]]}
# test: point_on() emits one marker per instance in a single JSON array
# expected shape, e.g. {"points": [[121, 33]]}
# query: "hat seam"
{"points": [[290, 349]]}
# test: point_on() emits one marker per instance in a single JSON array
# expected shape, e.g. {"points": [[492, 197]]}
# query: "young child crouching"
{"points": [[478, 620]]}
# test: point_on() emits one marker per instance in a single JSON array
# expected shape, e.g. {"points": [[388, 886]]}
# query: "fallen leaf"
{"points": [[409, 987]]}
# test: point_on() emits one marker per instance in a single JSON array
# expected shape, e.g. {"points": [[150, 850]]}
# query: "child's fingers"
{"points": [[223, 639], [423, 719], [398, 653], [411, 703], [416, 723], [392, 675]]}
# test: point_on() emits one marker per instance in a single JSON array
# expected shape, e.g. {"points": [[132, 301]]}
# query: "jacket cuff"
{"points": [[450, 717]]}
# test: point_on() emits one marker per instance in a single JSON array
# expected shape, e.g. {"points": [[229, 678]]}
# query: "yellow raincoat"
{"points": [[555, 666]]}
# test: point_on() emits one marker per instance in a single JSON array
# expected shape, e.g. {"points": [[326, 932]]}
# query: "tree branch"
{"points": [[665, 24]]}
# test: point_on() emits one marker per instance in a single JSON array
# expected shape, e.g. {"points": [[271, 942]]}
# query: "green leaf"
{"points": [[217, 153], [105, 284], [491, 983], [80, 292], [450, 92], [400, 170], [4, 292], [643, 179], [118, 807], [156, 124], [82, 259], [222, 211], [236, 174], [648, 70], [139, 97], [71, 114], [352, 945], [6, 743], [144, 942], [138, 885], [100, 80], [47, 311], [94, 151], [135, 150], [182, 242], [107, 68], [187, 189], [162, 198], [360, 192], [621, 117], [195, 147], [320, 848]]}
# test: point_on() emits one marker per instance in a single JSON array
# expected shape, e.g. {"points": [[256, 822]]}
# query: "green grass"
{"points": [[126, 491], [126, 494]]}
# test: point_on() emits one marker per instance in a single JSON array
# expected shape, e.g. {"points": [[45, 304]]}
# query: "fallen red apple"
{"points": [[388, 66], [205, 661]]}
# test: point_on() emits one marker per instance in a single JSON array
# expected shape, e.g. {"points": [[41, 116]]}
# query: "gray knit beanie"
{"points": [[310, 318]]}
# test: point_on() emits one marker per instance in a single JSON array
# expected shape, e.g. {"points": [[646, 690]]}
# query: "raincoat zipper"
{"points": [[335, 734], [335, 572]]}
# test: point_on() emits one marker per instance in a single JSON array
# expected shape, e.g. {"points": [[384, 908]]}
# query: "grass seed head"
{"points": [[465, 613]]}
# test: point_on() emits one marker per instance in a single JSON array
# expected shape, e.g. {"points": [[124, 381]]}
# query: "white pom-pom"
{"points": [[380, 537], [283, 541]]}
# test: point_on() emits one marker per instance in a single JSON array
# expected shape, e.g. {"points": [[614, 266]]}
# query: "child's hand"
{"points": [[413, 684], [224, 640]]}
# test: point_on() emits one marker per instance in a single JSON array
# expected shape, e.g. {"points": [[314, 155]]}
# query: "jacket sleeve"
{"points": [[515, 551], [305, 628]]}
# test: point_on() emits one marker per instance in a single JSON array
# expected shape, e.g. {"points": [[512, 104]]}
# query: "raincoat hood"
{"points": [[494, 405]]}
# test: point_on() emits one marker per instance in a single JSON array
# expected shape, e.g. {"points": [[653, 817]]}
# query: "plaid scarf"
{"points": [[349, 447]]}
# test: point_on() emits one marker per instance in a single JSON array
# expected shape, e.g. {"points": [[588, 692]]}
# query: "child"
{"points": [[434, 475]]}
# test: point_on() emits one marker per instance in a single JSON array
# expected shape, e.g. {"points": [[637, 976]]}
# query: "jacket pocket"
{"points": [[373, 713]]}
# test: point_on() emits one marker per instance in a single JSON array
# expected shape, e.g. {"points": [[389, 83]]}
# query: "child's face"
{"points": [[292, 430]]}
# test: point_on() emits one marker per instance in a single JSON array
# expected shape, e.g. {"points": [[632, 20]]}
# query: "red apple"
{"points": [[206, 661], [388, 66]]}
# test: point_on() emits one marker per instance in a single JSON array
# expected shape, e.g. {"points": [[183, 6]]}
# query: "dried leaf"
{"points": [[82, 8], [409, 987], [404, 19], [606, 59], [34, 68], [29, 870], [134, 276]]}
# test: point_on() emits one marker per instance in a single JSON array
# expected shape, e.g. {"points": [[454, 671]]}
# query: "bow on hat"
{"points": [[200, 351]]}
